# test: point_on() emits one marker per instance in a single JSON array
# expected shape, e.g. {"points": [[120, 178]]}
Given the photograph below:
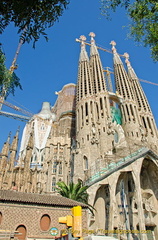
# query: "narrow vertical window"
{"points": [[85, 163], [86, 111], [53, 184], [97, 111], [82, 115], [55, 167], [60, 168], [101, 107]]}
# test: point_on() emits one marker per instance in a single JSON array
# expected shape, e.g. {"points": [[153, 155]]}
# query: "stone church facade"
{"points": [[106, 138]]}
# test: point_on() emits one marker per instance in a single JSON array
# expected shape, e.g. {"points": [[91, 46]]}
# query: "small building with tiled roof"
{"points": [[33, 215]]}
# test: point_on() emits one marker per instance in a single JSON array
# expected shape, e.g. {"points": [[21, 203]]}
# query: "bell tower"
{"points": [[92, 111], [147, 123]]}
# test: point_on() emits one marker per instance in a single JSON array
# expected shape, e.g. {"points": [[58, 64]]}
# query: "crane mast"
{"points": [[12, 68]]}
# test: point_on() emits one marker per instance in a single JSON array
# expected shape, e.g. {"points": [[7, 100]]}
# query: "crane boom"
{"points": [[156, 84], [15, 116], [16, 108]]}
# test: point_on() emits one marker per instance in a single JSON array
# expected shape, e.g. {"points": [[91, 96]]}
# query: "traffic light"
{"points": [[77, 221]]}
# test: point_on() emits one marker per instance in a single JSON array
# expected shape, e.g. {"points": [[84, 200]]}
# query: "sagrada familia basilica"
{"points": [[105, 138]]}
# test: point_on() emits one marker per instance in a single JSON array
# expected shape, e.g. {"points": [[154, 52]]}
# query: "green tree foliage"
{"points": [[33, 16], [73, 191], [8, 80], [144, 20], [77, 192]]}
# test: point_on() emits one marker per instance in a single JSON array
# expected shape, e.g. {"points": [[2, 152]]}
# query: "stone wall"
{"points": [[29, 215]]}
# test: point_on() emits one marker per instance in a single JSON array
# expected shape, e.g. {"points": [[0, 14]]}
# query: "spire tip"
{"points": [[92, 34], [113, 43], [82, 38], [126, 55]]}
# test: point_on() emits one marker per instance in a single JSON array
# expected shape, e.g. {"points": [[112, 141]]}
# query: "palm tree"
{"points": [[73, 191]]}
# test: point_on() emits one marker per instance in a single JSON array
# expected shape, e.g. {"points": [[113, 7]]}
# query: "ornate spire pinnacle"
{"points": [[82, 38], [98, 80], [84, 87], [83, 54], [117, 59], [92, 35], [14, 144], [9, 136], [131, 71], [93, 50], [126, 55], [5, 149], [122, 79], [139, 93], [113, 43], [17, 132]]}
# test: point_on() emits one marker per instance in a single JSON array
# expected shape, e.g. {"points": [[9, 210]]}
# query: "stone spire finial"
{"points": [[14, 145], [18, 130], [131, 71], [126, 55], [9, 136], [83, 54], [113, 43], [92, 34], [83, 39], [93, 50], [5, 148]]}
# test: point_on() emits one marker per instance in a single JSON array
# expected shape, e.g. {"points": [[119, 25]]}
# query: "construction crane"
{"points": [[121, 55], [16, 108], [4, 90], [15, 116], [12, 68], [108, 77]]}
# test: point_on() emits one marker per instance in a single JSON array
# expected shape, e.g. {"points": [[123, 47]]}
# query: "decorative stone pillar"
{"points": [[141, 219]]}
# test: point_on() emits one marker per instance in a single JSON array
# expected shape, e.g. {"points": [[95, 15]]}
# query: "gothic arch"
{"points": [[102, 201], [125, 201], [148, 182]]}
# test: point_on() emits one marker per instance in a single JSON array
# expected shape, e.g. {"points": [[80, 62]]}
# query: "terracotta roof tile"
{"points": [[44, 199]]}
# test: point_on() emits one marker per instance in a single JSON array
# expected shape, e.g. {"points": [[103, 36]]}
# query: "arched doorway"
{"points": [[21, 229]]}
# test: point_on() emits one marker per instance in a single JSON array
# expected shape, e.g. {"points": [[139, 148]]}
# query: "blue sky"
{"points": [[49, 66]]}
